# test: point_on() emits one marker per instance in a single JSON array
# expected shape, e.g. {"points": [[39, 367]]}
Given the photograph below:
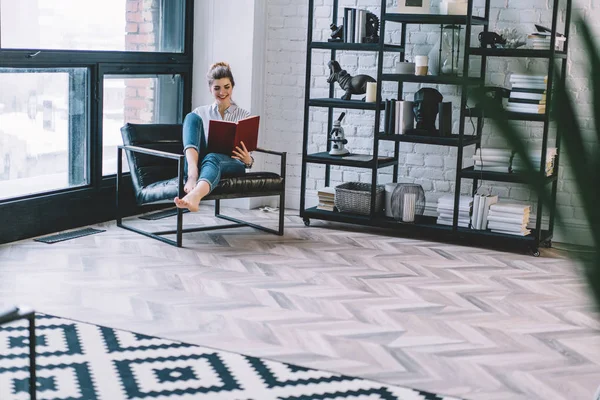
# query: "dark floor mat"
{"points": [[69, 235], [162, 214]]}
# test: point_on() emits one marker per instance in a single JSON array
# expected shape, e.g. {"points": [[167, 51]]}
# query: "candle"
{"points": [[421, 65], [371, 92], [408, 207]]}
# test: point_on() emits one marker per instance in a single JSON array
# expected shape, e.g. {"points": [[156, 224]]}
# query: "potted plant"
{"points": [[584, 159]]}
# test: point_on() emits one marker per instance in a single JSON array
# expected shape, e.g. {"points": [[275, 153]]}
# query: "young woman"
{"points": [[203, 170]]}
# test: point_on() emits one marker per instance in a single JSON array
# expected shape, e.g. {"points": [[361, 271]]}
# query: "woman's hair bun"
{"points": [[219, 70], [219, 64]]}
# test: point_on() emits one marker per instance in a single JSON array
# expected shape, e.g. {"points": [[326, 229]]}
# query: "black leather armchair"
{"points": [[156, 161]]}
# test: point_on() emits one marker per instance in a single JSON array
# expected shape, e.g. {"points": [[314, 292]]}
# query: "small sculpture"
{"points": [[337, 33], [350, 84], [491, 38], [372, 24], [426, 108]]}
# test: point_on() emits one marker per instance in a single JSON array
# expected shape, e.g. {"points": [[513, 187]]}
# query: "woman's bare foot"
{"points": [[189, 202], [191, 182]]}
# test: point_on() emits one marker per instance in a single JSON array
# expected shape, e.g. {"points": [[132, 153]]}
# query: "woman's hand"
{"points": [[242, 154]]}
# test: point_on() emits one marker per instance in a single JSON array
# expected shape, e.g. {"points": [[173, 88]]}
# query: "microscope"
{"points": [[336, 137]]}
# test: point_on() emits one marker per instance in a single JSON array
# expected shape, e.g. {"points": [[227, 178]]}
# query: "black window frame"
{"points": [[36, 214]]}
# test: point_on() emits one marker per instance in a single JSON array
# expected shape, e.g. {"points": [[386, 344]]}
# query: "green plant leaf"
{"points": [[585, 162], [594, 57]]}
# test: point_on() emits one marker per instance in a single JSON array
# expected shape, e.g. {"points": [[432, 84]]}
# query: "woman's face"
{"points": [[221, 89]]}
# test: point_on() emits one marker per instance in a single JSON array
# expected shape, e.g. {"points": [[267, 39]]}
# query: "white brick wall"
{"points": [[433, 167]]}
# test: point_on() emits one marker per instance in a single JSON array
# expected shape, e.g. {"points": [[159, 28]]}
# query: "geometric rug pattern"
{"points": [[81, 361]]}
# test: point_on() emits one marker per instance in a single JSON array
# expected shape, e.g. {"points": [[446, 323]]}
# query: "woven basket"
{"points": [[355, 197]]}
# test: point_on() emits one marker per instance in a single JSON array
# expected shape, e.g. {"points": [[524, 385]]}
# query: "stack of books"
{"points": [[481, 209], [492, 160], [536, 156], [541, 41], [326, 198], [527, 94], [445, 210], [509, 218]]}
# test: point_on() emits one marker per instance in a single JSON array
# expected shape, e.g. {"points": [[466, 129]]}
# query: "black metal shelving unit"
{"points": [[426, 225]]}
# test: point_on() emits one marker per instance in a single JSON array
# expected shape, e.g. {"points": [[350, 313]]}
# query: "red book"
{"points": [[224, 136]]}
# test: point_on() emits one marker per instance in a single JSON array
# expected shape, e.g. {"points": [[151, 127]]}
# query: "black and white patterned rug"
{"points": [[80, 361]]}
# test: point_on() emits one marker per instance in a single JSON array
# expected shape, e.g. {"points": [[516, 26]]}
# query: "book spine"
{"points": [[352, 25], [347, 21], [387, 117], [393, 116]]}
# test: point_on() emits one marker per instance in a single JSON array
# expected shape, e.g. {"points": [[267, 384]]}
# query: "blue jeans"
{"points": [[212, 166]]}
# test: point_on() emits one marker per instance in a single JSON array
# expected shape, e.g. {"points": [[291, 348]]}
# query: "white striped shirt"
{"points": [[211, 111]]}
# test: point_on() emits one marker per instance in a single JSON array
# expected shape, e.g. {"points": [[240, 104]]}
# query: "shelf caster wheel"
{"points": [[306, 222], [548, 244], [535, 252]]}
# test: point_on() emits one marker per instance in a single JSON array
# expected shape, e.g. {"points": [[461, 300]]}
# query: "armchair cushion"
{"points": [[249, 185]]}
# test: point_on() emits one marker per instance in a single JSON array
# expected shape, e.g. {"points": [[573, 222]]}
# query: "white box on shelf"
{"points": [[413, 7], [453, 7]]}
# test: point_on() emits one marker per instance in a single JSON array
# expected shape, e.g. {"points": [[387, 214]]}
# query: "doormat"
{"points": [[59, 237], [162, 214], [83, 361]]}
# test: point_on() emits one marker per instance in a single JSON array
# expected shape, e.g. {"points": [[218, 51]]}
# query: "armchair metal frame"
{"points": [[179, 231]]}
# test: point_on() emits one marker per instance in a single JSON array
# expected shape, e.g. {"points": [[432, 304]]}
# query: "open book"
{"points": [[224, 136]]}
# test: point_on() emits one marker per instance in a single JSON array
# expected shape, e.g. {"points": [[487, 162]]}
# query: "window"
{"points": [[119, 25], [72, 73], [43, 130], [139, 99]]}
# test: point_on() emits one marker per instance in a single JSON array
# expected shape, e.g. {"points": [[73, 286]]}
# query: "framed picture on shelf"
{"points": [[413, 7]]}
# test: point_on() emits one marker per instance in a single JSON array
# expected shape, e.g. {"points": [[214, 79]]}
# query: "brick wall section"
{"points": [[433, 167], [141, 29]]}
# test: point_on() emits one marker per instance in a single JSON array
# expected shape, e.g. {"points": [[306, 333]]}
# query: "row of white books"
{"points": [[326, 197], [355, 25], [485, 212], [481, 208], [399, 117]]}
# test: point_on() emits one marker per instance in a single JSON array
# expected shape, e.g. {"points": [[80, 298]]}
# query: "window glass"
{"points": [[120, 25], [43, 130], [138, 99]]}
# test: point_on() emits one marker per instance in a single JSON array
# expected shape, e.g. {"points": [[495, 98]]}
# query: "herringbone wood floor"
{"points": [[471, 322]]}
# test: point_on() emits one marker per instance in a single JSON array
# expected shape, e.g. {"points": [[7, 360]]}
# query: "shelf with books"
{"points": [[513, 177], [509, 115], [436, 19], [356, 46], [349, 104], [421, 221], [528, 53], [452, 140], [426, 225], [434, 79], [488, 234], [351, 160]]}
